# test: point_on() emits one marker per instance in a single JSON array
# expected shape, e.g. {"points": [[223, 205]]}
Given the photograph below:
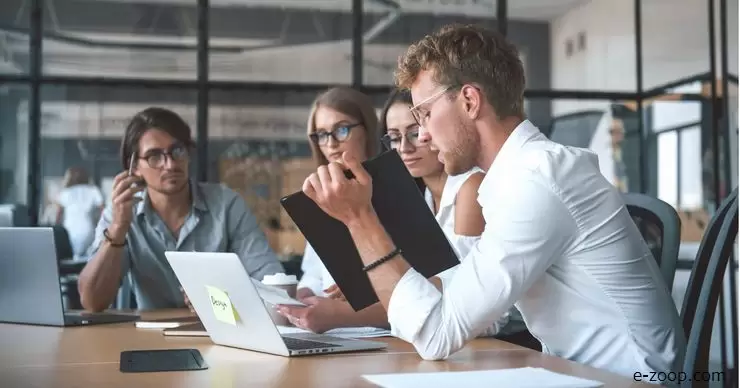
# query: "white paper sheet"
{"points": [[274, 295], [344, 332], [510, 378]]}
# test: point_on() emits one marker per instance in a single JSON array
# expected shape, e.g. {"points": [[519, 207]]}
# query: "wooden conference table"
{"points": [[38, 356]]}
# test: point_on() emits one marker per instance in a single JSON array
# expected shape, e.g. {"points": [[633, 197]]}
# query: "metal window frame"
{"points": [[202, 84]]}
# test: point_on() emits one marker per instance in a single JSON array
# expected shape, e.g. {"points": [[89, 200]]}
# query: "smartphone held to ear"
{"points": [[131, 164], [131, 169]]}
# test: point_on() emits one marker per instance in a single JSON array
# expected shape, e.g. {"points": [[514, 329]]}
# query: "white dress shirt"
{"points": [[317, 277], [560, 245]]}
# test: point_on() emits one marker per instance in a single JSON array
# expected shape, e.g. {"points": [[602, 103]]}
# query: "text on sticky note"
{"points": [[223, 310]]}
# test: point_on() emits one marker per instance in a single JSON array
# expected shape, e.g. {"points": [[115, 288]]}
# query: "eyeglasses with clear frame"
{"points": [[421, 117], [393, 140]]}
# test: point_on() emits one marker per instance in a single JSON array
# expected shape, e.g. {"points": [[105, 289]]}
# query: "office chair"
{"points": [[703, 256], [575, 129], [14, 215], [660, 227], [704, 291], [62, 243], [67, 273]]}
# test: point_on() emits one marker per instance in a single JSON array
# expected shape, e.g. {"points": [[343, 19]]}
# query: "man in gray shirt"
{"points": [[155, 207]]}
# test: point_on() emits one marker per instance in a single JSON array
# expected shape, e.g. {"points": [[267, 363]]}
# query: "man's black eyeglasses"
{"points": [[157, 158]]}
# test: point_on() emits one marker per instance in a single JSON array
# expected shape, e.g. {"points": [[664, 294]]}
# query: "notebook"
{"points": [[166, 323], [511, 378], [191, 330], [403, 212]]}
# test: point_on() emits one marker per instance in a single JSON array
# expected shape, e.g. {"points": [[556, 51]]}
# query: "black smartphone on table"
{"points": [[168, 360]]}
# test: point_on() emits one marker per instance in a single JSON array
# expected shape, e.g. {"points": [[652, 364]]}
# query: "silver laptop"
{"points": [[30, 287], [252, 328]]}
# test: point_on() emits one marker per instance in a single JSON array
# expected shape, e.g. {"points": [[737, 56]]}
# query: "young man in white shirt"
{"points": [[558, 240]]}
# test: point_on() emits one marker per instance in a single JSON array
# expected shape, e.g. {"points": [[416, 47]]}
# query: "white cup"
{"points": [[289, 283]]}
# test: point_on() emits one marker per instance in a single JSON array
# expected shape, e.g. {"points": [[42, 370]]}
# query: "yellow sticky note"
{"points": [[222, 307]]}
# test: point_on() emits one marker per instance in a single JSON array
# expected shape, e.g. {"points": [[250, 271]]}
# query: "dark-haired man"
{"points": [[172, 213], [558, 241]]}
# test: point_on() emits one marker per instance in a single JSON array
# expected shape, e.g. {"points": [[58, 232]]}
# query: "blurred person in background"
{"points": [[79, 205]]}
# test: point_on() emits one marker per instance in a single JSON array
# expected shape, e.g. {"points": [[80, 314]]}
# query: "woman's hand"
{"points": [[334, 292], [320, 314], [303, 293]]}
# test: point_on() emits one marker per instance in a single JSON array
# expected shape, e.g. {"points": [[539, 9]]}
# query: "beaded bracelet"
{"points": [[382, 260], [110, 240]]}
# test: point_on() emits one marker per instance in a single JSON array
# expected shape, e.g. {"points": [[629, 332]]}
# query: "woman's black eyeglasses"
{"points": [[339, 134]]}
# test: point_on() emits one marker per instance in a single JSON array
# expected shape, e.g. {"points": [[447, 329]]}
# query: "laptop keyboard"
{"points": [[301, 344]]}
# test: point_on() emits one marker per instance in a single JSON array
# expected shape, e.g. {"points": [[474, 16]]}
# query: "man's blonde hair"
{"points": [[468, 54]]}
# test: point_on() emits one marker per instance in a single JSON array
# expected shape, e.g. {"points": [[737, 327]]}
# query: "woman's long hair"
{"points": [[351, 103], [397, 96], [75, 176]]}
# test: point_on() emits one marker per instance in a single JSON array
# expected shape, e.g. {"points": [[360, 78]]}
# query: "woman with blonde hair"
{"points": [[341, 120], [79, 205]]}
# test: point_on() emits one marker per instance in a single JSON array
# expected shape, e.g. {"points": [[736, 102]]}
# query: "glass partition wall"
{"points": [[648, 85]]}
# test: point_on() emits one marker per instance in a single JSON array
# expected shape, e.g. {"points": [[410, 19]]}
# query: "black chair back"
{"points": [[703, 256], [660, 227], [62, 243], [700, 331]]}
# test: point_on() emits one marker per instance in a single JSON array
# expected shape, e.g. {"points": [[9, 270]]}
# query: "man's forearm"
{"points": [[373, 316], [99, 280], [373, 243]]}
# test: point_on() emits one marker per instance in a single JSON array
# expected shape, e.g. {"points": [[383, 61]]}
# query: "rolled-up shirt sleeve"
{"points": [[462, 245], [103, 224], [527, 227]]}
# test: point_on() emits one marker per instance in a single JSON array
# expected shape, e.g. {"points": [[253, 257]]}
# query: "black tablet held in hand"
{"points": [[404, 213], [137, 361]]}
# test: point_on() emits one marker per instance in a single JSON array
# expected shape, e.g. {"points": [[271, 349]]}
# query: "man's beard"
{"points": [[170, 190], [462, 156]]}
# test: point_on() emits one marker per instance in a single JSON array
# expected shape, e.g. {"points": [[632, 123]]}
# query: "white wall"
{"points": [[608, 57], [675, 45]]}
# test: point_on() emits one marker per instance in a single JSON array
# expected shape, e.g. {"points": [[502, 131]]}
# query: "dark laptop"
{"points": [[402, 210], [30, 289]]}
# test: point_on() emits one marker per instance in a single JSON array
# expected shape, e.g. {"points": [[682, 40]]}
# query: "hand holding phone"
{"points": [[123, 198]]}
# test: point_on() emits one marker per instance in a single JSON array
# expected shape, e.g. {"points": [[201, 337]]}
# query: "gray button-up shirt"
{"points": [[219, 221]]}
